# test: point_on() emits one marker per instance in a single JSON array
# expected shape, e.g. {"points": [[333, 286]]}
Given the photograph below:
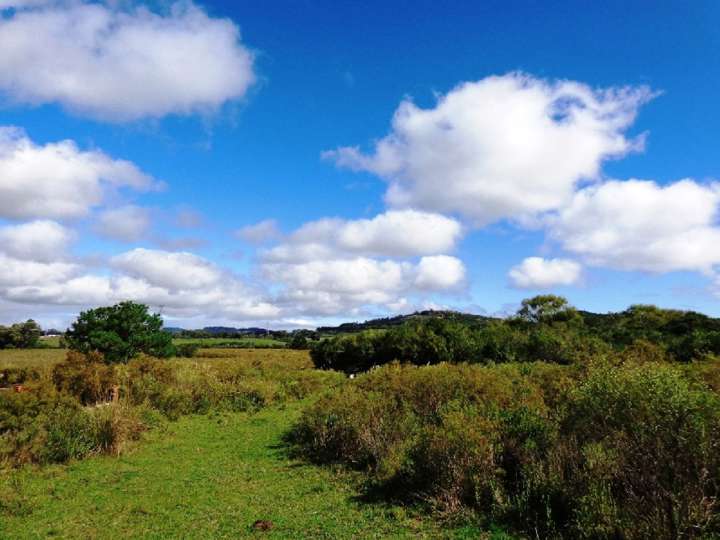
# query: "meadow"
{"points": [[550, 424], [198, 469]]}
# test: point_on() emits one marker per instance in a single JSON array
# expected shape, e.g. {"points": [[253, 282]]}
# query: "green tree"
{"points": [[20, 335], [120, 332], [546, 308], [27, 334]]}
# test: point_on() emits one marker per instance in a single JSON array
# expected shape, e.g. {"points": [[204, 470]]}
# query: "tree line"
{"points": [[545, 328]]}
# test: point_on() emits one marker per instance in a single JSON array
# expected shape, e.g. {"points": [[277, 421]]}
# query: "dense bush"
{"points": [[601, 451]]}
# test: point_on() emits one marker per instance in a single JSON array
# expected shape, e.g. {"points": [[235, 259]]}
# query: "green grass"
{"points": [[245, 342], [19, 358], [205, 477]]}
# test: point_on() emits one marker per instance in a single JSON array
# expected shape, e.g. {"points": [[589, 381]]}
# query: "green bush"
{"points": [[629, 451], [187, 350]]}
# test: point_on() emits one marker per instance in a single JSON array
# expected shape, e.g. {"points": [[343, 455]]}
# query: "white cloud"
{"points": [[168, 270], [179, 284], [43, 241], [396, 233], [641, 225], [338, 267], [440, 272], [400, 233], [260, 232], [105, 62], [342, 286], [127, 223], [503, 147], [58, 180], [358, 275], [539, 273], [18, 272]]}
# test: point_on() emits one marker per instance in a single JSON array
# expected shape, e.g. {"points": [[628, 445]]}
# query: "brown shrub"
{"points": [[85, 377]]}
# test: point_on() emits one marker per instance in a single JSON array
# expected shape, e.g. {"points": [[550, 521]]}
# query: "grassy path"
{"points": [[205, 477]]}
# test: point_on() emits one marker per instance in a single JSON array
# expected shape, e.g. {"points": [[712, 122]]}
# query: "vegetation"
{"points": [[629, 450], [545, 328], [554, 423], [120, 332], [205, 477], [66, 412], [20, 336]]}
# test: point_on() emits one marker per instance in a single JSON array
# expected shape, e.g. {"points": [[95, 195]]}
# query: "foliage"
{"points": [[187, 350], [86, 377], [65, 411], [629, 451], [545, 328], [120, 332], [213, 477], [21, 335]]}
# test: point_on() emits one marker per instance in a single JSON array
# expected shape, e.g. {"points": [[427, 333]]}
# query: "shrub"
{"points": [[85, 377], [592, 451], [187, 350]]}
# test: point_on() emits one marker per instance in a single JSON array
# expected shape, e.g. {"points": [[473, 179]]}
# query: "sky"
{"points": [[297, 163]]}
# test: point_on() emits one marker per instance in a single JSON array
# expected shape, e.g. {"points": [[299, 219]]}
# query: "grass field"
{"points": [[248, 342], [203, 477], [19, 358]]}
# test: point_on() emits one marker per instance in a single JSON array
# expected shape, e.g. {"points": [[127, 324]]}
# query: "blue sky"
{"points": [[231, 114]]}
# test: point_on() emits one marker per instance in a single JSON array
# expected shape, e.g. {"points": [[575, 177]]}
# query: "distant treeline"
{"points": [[546, 328], [390, 322], [24, 335], [234, 333]]}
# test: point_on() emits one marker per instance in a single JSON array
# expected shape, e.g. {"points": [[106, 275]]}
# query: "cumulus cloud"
{"points": [[121, 64], [503, 147], [19, 272], [57, 180], [439, 272], [335, 266], [260, 232], [642, 225], [180, 284], [341, 286], [181, 270], [43, 241], [396, 233], [539, 273], [127, 223]]}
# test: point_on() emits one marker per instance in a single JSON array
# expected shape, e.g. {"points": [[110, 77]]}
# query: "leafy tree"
{"points": [[20, 335], [120, 332], [546, 308], [28, 334]]}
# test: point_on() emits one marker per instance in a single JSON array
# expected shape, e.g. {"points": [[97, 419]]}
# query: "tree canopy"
{"points": [[120, 332], [20, 335]]}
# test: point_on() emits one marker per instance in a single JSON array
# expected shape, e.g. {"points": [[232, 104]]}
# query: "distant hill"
{"points": [[389, 322]]}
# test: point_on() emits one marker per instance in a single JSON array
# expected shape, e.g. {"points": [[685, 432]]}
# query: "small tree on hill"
{"points": [[546, 308], [120, 332]]}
